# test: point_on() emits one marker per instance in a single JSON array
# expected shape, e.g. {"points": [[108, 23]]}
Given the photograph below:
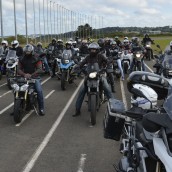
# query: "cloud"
{"points": [[147, 11]]}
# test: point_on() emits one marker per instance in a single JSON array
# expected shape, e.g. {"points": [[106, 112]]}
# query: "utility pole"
{"points": [[15, 25], [2, 32], [26, 23]]}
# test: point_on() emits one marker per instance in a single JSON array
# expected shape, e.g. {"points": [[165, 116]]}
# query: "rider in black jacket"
{"points": [[93, 57]]}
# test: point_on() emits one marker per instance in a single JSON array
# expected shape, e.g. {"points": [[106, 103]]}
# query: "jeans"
{"points": [[120, 67], [132, 65], [83, 91], [47, 68], [39, 91]]}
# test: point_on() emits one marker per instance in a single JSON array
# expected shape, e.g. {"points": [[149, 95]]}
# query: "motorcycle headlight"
{"points": [[66, 61], [15, 87], [24, 87], [93, 75], [148, 46], [138, 55]]}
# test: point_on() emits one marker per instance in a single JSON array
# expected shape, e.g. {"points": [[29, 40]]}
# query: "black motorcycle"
{"points": [[95, 90], [25, 97]]}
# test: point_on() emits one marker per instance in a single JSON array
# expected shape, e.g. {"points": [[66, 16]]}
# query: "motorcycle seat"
{"points": [[136, 112]]}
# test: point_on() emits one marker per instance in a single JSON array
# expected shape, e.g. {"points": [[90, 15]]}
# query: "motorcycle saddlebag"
{"points": [[112, 123]]}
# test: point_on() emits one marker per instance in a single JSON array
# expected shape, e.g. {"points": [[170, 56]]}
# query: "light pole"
{"points": [[39, 22], [34, 20], [2, 32], [26, 22], [15, 19]]}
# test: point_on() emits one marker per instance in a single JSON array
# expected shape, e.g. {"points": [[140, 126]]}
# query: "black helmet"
{"points": [[136, 40], [101, 42], [54, 40], [28, 49]]}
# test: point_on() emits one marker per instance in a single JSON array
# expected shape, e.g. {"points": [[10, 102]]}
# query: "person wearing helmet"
{"points": [[15, 46], [93, 57], [60, 44], [136, 46], [83, 49], [118, 41], [30, 66], [101, 43], [126, 45], [113, 55], [41, 53], [4, 44]]}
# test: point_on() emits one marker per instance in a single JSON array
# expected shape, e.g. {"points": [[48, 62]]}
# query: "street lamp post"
{"points": [[26, 23], [2, 32]]}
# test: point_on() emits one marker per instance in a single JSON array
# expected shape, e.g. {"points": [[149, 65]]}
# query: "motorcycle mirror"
{"points": [[158, 46]]}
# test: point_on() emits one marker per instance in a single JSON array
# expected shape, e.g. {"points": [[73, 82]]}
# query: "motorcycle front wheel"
{"points": [[18, 110], [93, 109], [63, 81]]}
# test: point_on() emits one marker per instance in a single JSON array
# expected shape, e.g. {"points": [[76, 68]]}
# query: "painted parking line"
{"points": [[3, 84]]}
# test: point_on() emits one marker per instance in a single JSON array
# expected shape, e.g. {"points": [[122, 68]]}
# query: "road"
{"points": [[57, 142]]}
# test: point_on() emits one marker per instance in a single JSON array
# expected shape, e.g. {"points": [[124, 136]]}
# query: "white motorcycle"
{"points": [[126, 59], [11, 66]]}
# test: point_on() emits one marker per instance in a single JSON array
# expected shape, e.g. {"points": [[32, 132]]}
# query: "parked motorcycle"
{"points": [[25, 97], [2, 60], [67, 72], [126, 58], [95, 91], [11, 66]]}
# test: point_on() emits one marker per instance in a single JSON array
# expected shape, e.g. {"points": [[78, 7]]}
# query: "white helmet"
{"points": [[4, 42], [15, 43], [28, 49], [126, 38], [170, 43], [126, 41]]}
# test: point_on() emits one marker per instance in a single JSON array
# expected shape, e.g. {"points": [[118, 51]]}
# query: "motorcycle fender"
{"points": [[161, 152], [92, 83]]}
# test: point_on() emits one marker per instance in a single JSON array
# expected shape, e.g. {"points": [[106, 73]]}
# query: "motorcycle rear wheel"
{"points": [[18, 111], [93, 109]]}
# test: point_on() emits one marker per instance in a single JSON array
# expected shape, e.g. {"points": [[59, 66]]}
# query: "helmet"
{"points": [[126, 41], [39, 44], [54, 40], [94, 45], [101, 42], [15, 44], [68, 43], [136, 40], [113, 43], [125, 38], [59, 41], [4, 42], [116, 37], [146, 35], [28, 49]]}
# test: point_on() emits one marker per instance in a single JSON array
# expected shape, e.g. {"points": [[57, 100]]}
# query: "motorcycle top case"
{"points": [[154, 81], [112, 124]]}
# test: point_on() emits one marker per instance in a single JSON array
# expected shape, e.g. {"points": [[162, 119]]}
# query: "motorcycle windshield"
{"points": [[167, 62], [92, 68], [11, 54], [167, 104], [66, 58], [148, 43]]}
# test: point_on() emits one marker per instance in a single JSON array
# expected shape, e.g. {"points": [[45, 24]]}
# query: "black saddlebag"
{"points": [[113, 120]]}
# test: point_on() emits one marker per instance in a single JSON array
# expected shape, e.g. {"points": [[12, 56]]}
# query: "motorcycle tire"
{"points": [[93, 109], [149, 55], [0, 75], [139, 67], [63, 81], [125, 68], [18, 111]]}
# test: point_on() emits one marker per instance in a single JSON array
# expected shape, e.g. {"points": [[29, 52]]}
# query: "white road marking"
{"points": [[82, 163], [123, 94], [6, 108], [43, 82], [3, 84], [47, 138], [5, 93], [48, 95], [149, 68]]}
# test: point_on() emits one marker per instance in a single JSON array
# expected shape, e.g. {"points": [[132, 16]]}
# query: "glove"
{"points": [[27, 75]]}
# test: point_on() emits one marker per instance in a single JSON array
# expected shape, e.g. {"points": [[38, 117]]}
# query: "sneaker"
{"points": [[77, 113], [41, 113]]}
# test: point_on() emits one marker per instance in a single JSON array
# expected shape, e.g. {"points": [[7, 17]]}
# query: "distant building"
{"points": [[155, 32]]}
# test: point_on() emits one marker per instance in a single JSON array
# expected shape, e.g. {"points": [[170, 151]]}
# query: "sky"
{"points": [[98, 13]]}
